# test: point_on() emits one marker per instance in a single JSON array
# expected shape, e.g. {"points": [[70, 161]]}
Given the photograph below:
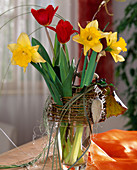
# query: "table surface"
{"points": [[26, 153]]}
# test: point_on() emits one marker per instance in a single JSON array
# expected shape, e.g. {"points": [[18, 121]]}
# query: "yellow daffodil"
{"points": [[115, 47], [24, 53], [90, 37]]}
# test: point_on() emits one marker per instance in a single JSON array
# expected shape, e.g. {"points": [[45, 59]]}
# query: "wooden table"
{"points": [[26, 153]]}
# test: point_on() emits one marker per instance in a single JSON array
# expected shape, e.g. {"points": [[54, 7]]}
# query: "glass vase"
{"points": [[72, 141]]}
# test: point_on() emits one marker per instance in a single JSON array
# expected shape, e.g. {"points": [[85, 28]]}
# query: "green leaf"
{"points": [[67, 84], [83, 71], [67, 54], [56, 51], [52, 88], [54, 92], [37, 66], [57, 71], [93, 72], [90, 70], [64, 68], [53, 77], [41, 51]]}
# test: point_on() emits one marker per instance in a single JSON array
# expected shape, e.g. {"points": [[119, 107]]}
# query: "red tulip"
{"points": [[64, 30], [44, 16]]}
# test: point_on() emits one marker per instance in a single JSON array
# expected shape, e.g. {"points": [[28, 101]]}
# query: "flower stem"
{"points": [[76, 145], [73, 149], [50, 42]]}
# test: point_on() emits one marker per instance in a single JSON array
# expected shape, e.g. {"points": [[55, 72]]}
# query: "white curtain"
{"points": [[23, 95]]}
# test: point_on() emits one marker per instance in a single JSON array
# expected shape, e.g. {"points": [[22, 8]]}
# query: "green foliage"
{"points": [[41, 50], [64, 67], [88, 75], [67, 84], [49, 75], [56, 51], [57, 73], [84, 69], [126, 70]]}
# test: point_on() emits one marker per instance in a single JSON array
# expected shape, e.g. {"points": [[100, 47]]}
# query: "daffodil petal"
{"points": [[13, 62], [97, 47], [36, 58], [122, 44], [23, 40], [104, 34], [34, 49], [78, 39], [24, 69], [80, 26], [12, 47], [113, 37], [108, 39], [117, 58], [92, 24], [86, 48], [81, 30], [120, 58]]}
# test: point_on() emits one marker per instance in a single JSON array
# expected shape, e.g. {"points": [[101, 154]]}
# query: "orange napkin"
{"points": [[113, 150]]}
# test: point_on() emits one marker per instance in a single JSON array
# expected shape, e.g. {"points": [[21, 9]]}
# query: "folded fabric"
{"points": [[113, 150]]}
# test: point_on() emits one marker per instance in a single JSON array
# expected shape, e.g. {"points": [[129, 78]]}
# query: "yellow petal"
{"points": [[36, 58], [113, 37], [82, 31], [78, 39], [24, 69], [23, 40], [104, 34], [80, 26], [12, 47], [117, 58], [13, 62], [86, 48], [97, 47], [36, 47], [93, 24], [120, 58], [108, 39], [122, 44]]}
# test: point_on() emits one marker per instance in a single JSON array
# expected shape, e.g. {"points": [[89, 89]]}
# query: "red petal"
{"points": [[64, 30], [44, 16], [52, 28]]}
